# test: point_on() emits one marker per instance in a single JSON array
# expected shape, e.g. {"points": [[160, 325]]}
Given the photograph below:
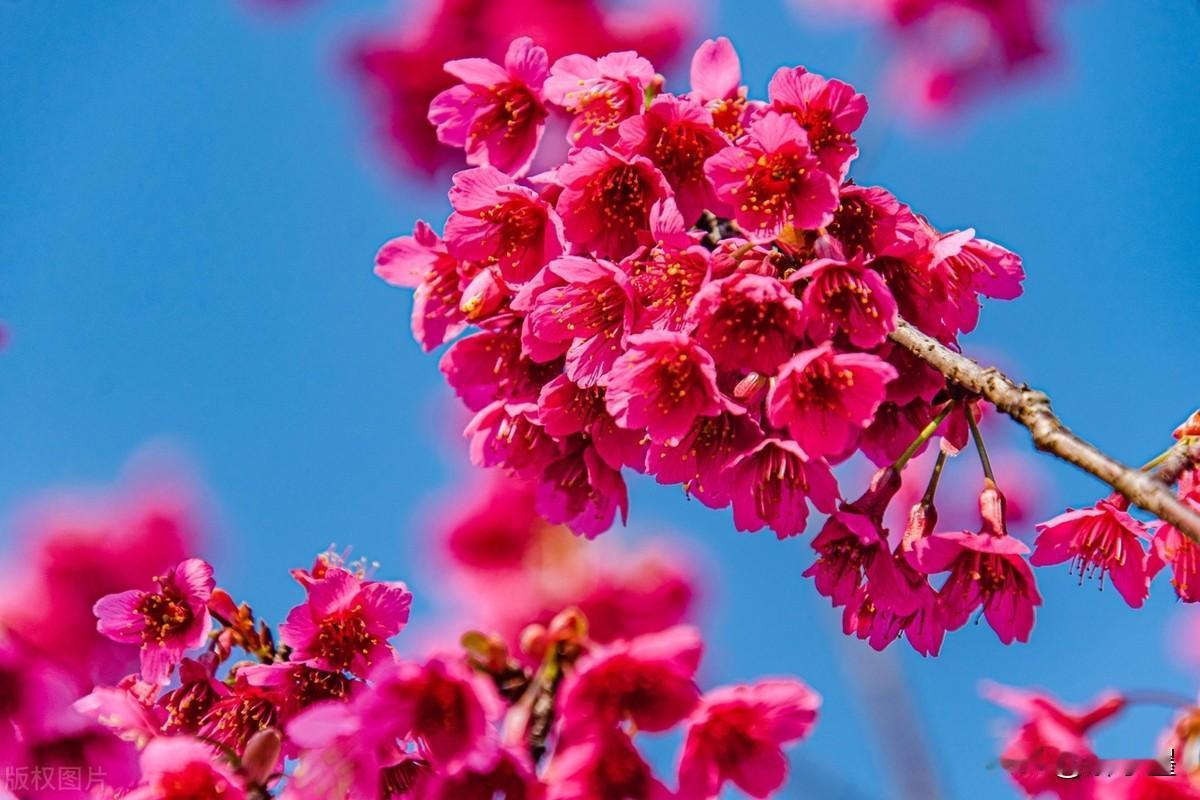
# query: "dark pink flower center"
{"points": [[520, 224], [822, 134], [399, 779], [441, 708], [623, 194], [187, 705], [591, 308], [233, 720], [665, 284], [779, 472], [343, 636], [846, 296], [680, 151], [510, 108], [194, 782], [165, 613], [772, 181], [854, 225], [601, 107], [727, 116], [312, 685], [822, 384], [1099, 547]]}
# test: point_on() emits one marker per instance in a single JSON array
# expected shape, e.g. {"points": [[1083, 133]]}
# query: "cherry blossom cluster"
{"points": [[358, 721], [400, 68], [1050, 751], [952, 51], [699, 293]]}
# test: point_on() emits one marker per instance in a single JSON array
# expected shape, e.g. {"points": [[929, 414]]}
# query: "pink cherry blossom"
{"points": [[181, 768], [441, 701], [852, 538], [581, 490], [986, 569], [747, 321], [509, 435], [716, 79], [164, 622], [422, 261], [1181, 552], [771, 484], [849, 297], [494, 772], [701, 457], [662, 383], [496, 221], [678, 136], [489, 366], [401, 64], [772, 180], [825, 398], [1102, 539], [581, 308], [830, 111], [606, 200], [1050, 736], [737, 734], [346, 622], [496, 114], [599, 93], [602, 765], [649, 680], [70, 548]]}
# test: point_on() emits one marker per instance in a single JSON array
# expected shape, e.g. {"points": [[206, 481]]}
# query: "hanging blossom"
{"points": [[1106, 541], [696, 290], [325, 707], [950, 52], [1050, 751], [492, 102]]}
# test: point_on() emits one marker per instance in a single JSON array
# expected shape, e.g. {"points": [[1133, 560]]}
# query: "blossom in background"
{"points": [[737, 735], [948, 53], [552, 716], [70, 548], [401, 65]]}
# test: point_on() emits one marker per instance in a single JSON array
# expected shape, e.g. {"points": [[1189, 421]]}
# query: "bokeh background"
{"points": [[189, 206]]}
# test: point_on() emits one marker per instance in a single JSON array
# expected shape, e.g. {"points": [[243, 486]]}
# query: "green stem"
{"points": [[978, 437], [923, 437], [931, 489]]}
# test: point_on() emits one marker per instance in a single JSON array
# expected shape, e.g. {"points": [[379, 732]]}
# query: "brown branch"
{"points": [[1031, 408], [1183, 456]]}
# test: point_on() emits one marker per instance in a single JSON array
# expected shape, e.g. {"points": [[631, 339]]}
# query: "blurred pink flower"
{"points": [[402, 69]]}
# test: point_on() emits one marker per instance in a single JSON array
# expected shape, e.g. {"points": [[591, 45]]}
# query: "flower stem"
{"points": [[931, 489], [979, 447], [923, 437]]}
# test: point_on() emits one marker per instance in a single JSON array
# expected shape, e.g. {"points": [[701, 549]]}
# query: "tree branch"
{"points": [[1031, 408]]}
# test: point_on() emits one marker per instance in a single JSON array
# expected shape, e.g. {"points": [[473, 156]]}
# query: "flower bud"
{"points": [[261, 757], [992, 510], [922, 519], [483, 295], [1189, 427]]}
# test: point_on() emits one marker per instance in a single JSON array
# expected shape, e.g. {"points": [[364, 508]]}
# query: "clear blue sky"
{"points": [[188, 213]]}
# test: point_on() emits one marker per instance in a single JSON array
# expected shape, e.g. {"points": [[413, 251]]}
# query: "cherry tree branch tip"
{"points": [[1031, 409]]}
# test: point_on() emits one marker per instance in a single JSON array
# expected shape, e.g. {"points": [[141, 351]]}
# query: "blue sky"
{"points": [[189, 206]]}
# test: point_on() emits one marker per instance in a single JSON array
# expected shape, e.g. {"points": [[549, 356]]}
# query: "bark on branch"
{"points": [[1031, 408]]}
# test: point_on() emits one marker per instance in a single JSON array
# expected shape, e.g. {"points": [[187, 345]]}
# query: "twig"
{"points": [[1031, 408]]}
